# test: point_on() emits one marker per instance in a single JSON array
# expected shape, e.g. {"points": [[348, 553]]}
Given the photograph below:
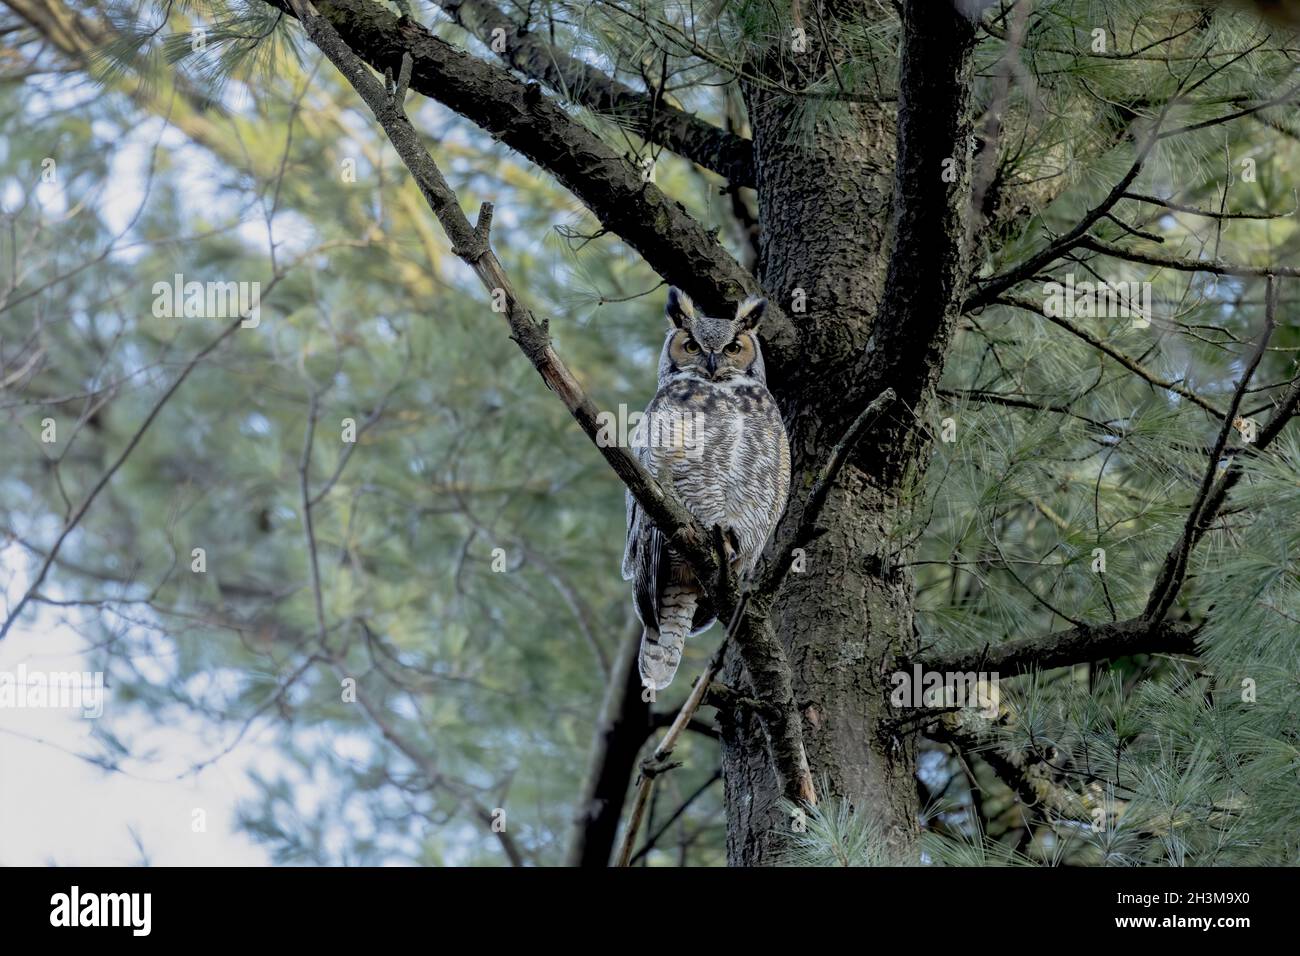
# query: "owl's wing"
{"points": [[642, 557], [782, 469], [643, 553]]}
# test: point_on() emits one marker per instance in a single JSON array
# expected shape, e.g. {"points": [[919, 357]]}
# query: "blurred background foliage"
{"points": [[478, 689]]}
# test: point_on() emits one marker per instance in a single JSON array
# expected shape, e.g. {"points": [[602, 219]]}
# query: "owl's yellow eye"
{"points": [[732, 348], [691, 347]]}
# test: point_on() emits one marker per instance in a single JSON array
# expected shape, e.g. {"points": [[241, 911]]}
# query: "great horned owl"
{"points": [[712, 434]]}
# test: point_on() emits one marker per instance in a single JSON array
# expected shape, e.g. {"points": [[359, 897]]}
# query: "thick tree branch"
{"points": [[617, 192], [932, 179], [646, 114], [472, 244], [1088, 642]]}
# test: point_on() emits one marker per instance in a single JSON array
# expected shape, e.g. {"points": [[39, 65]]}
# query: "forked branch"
{"points": [[472, 243]]}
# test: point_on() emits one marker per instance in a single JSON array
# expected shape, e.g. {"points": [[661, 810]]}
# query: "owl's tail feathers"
{"points": [[661, 650]]}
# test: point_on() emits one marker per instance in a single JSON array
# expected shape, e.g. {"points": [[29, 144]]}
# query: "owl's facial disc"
{"points": [[713, 348], [728, 361]]}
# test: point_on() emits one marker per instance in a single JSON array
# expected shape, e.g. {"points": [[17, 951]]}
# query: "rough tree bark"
{"points": [[833, 203]]}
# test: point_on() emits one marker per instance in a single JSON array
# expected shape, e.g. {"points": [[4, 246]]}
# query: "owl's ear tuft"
{"points": [[680, 310], [750, 312]]}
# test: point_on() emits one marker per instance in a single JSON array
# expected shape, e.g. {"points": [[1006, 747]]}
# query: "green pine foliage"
{"points": [[480, 689]]}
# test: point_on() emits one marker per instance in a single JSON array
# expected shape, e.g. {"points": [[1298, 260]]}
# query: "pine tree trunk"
{"points": [[852, 270], [823, 212]]}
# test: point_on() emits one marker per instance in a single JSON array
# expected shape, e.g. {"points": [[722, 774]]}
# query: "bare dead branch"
{"points": [[1214, 266], [1206, 213]]}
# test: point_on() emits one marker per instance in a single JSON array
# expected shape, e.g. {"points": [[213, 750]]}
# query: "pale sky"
{"points": [[54, 806]]}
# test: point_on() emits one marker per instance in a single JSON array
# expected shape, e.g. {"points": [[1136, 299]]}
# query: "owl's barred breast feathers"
{"points": [[714, 435]]}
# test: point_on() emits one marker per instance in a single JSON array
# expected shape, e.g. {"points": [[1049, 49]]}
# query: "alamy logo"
{"points": [[1102, 300], [54, 690], [668, 429], [208, 300], [922, 688], [103, 909]]}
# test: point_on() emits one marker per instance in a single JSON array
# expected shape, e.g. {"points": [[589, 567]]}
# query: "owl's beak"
{"points": [[711, 363]]}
